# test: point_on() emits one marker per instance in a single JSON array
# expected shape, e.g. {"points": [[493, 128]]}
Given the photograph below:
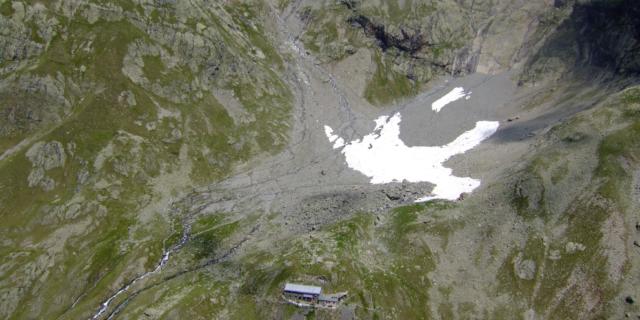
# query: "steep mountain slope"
{"points": [[167, 159], [414, 42], [109, 111]]}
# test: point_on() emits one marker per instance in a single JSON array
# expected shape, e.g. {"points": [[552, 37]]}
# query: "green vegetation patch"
{"points": [[135, 143], [510, 281], [349, 233], [205, 243], [623, 144], [153, 67], [328, 34], [246, 17], [574, 268], [387, 85], [6, 8]]}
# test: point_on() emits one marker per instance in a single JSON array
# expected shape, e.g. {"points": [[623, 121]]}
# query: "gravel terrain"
{"points": [[310, 184]]}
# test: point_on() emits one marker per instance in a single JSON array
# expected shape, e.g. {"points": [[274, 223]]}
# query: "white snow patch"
{"points": [[384, 158], [337, 141], [452, 96]]}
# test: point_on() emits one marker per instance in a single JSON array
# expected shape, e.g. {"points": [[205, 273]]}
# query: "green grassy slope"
{"points": [[136, 115], [445, 260]]}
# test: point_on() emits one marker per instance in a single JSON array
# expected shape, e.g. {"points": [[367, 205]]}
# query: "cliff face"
{"points": [[166, 159], [598, 36], [414, 42]]}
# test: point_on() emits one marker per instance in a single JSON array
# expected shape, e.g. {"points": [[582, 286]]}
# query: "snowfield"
{"points": [[452, 96], [383, 157]]}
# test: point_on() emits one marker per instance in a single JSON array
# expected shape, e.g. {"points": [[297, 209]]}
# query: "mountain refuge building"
{"points": [[310, 296], [302, 292]]}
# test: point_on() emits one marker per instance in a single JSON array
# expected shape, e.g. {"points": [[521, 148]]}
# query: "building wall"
{"points": [[296, 296]]}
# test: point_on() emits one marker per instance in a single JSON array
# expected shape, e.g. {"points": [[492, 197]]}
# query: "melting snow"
{"points": [[452, 96], [384, 158], [333, 138]]}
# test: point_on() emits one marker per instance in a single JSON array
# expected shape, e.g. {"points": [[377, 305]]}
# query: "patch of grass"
{"points": [[506, 312], [206, 297], [328, 35], [319, 40], [215, 132], [107, 253], [6, 9], [153, 67], [206, 222], [403, 217], [444, 229], [404, 223], [582, 273], [283, 4], [272, 107], [445, 311], [467, 310], [631, 96], [348, 234], [584, 228], [25, 113], [529, 193], [205, 244], [559, 173], [509, 282], [242, 14], [193, 296], [386, 85], [621, 144]]}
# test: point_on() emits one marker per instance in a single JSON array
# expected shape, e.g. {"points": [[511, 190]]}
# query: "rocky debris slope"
{"points": [[412, 43]]}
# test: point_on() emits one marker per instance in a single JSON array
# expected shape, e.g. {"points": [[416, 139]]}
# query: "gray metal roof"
{"points": [[300, 288], [333, 297], [330, 298]]}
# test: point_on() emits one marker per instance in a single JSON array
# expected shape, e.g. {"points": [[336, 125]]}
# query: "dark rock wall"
{"points": [[598, 36]]}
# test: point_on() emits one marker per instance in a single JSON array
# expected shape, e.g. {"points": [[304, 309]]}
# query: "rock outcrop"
{"points": [[45, 157]]}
